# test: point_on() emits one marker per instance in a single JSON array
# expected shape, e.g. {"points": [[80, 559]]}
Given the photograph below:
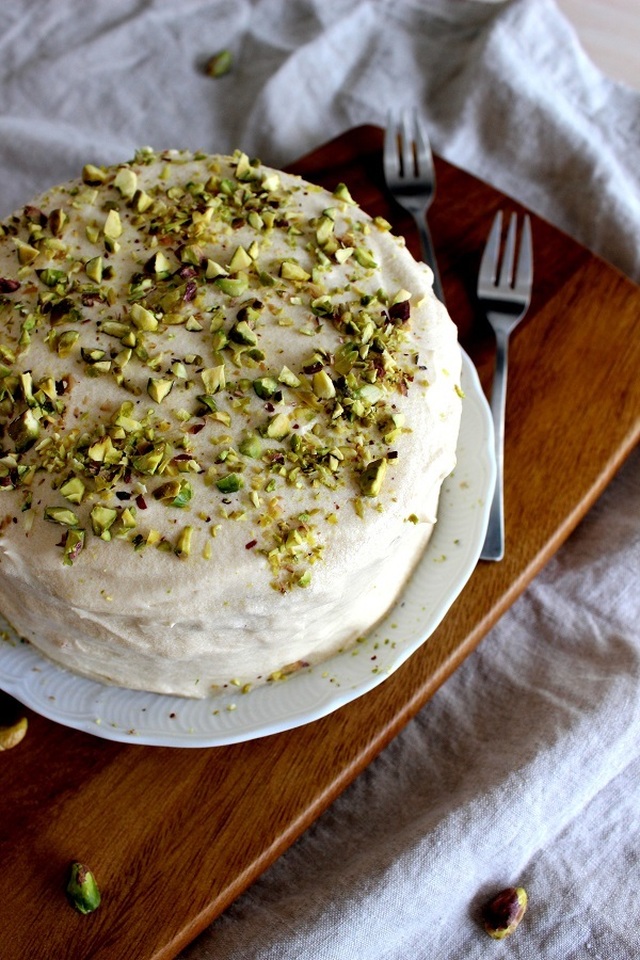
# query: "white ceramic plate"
{"points": [[156, 719]]}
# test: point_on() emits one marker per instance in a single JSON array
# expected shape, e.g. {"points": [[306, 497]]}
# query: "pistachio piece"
{"points": [[26, 253], [149, 462], [73, 490], [92, 232], [93, 175], [291, 270], [250, 311], [93, 269], [159, 265], [122, 358], [159, 388], [219, 64], [322, 306], [206, 404], [24, 430], [341, 192], [250, 446], [114, 328], [73, 545], [168, 490], [61, 515], [142, 318], [126, 181], [184, 495], [112, 228], [48, 388], [192, 254], [213, 270], [503, 913], [92, 356], [245, 168], [241, 332], [82, 890], [10, 736], [52, 277], [103, 451], [239, 261], [64, 311], [364, 258], [288, 377], [270, 184], [141, 201], [175, 493], [372, 477], [182, 548], [233, 286], [346, 357], [343, 254], [279, 426], [26, 386], [323, 385], [324, 229], [127, 519], [57, 221], [266, 387], [102, 519], [230, 484], [213, 378]]}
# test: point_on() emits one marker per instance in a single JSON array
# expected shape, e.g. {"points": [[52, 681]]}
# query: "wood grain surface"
{"points": [[174, 835]]}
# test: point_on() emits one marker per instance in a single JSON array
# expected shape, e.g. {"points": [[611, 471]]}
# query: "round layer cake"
{"points": [[228, 400]]}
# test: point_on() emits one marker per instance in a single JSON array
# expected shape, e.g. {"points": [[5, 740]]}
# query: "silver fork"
{"points": [[410, 178], [505, 296]]}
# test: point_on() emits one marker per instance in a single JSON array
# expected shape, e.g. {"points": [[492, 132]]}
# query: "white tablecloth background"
{"points": [[525, 767]]}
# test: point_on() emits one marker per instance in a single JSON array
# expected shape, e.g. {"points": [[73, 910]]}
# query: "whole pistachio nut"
{"points": [[503, 913], [10, 736], [372, 477], [82, 890]]}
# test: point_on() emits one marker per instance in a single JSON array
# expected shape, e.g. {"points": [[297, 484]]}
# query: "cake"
{"points": [[228, 401]]}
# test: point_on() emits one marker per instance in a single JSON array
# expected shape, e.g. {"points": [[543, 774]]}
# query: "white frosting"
{"points": [[132, 611]]}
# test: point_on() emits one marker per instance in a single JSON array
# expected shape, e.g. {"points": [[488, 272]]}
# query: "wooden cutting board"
{"points": [[175, 835]]}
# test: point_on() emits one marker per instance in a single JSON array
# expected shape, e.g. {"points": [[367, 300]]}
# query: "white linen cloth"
{"points": [[525, 767]]}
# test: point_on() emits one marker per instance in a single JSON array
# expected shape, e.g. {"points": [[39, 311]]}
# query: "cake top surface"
{"points": [[192, 341]]}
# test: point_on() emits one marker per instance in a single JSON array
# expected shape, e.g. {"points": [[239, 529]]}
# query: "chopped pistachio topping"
{"points": [[165, 279]]}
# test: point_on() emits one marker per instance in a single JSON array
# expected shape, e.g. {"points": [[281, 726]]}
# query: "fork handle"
{"points": [[493, 548], [428, 254]]}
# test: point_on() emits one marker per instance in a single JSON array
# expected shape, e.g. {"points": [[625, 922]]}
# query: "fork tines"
{"points": [[405, 144], [496, 274]]}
